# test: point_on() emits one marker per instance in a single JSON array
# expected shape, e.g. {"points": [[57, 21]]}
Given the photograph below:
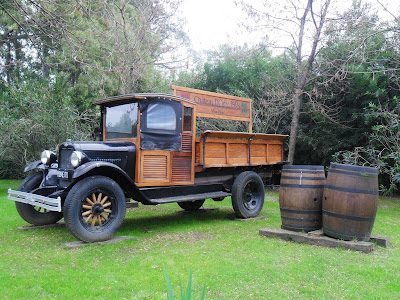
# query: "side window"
{"points": [[187, 119], [161, 116], [121, 121]]}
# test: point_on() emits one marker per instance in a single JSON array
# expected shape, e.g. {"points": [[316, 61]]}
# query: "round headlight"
{"points": [[48, 157], [76, 158]]}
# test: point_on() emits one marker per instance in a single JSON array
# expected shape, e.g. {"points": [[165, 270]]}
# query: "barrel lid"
{"points": [[302, 167], [346, 167]]}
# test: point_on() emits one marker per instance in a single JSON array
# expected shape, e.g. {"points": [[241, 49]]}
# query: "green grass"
{"points": [[230, 256]]}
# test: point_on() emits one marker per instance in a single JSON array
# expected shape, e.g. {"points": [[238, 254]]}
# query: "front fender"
{"points": [[92, 165], [115, 173], [35, 165]]}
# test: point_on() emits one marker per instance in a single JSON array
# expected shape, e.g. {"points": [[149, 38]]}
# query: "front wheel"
{"points": [[248, 195], [34, 214], [94, 209]]}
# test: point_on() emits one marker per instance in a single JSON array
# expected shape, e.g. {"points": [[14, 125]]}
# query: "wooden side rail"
{"points": [[229, 149]]}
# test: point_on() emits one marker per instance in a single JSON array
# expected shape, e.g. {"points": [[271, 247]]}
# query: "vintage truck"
{"points": [[148, 151]]}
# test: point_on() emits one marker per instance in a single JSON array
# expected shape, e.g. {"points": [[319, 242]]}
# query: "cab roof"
{"points": [[141, 96]]}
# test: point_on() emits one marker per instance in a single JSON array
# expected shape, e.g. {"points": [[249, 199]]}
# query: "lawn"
{"points": [[230, 256]]}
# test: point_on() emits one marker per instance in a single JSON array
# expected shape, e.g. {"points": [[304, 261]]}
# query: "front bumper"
{"points": [[53, 204]]}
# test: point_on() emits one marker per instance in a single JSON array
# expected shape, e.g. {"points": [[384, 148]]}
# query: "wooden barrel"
{"points": [[300, 197], [350, 202]]}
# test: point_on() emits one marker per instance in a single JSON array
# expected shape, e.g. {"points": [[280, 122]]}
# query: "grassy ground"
{"points": [[230, 256]]}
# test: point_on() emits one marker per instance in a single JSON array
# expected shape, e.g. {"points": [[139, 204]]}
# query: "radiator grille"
{"points": [[155, 167], [181, 168], [64, 159]]}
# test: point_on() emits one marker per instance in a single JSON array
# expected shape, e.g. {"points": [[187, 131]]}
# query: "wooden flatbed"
{"points": [[233, 149]]}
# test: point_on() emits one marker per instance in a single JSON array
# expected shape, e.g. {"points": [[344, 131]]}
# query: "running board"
{"points": [[192, 197]]}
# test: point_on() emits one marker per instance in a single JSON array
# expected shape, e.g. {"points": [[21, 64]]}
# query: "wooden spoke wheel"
{"points": [[248, 195], [94, 209], [34, 214]]}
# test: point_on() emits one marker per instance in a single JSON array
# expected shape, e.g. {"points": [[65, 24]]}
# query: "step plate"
{"points": [[192, 197]]}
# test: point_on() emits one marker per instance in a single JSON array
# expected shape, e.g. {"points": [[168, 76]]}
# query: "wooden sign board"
{"points": [[217, 106]]}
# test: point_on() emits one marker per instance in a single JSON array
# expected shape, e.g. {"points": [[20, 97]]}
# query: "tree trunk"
{"points": [[294, 126], [18, 58], [9, 62], [302, 73], [45, 66]]}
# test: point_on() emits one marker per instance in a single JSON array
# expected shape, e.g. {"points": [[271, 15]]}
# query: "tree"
{"points": [[357, 66], [117, 46], [35, 116], [299, 21], [29, 31], [383, 149], [120, 45]]}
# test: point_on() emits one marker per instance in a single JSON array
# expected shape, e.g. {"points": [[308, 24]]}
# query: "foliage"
{"points": [[386, 138], [358, 66], [185, 294], [35, 116], [383, 150], [124, 41], [116, 46], [320, 137]]}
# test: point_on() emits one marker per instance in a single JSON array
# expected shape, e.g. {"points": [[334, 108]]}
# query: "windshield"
{"points": [[121, 121]]}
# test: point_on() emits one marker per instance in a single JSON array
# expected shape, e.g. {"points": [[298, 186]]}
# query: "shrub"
{"points": [[37, 115], [384, 149]]}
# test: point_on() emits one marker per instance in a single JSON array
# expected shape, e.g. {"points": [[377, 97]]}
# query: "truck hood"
{"points": [[122, 154]]}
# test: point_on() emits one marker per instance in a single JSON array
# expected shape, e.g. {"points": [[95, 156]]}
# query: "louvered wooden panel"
{"points": [[186, 143], [181, 168], [155, 167]]}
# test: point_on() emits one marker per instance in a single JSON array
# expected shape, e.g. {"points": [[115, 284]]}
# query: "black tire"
{"points": [[94, 209], [33, 214], [248, 195], [191, 205]]}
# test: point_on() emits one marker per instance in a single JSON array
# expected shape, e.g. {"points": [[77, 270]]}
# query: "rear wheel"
{"points": [[248, 195], [34, 214], [191, 205], [94, 209]]}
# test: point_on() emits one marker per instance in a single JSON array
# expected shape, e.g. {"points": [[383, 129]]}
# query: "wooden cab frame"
{"points": [[154, 166]]}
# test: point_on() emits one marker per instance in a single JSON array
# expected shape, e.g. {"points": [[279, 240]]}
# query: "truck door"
{"points": [[164, 158]]}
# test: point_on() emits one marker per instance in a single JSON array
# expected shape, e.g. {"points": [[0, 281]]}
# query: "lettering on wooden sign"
{"points": [[218, 106]]}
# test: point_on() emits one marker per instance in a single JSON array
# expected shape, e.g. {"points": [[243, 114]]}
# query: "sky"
{"points": [[211, 23]]}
